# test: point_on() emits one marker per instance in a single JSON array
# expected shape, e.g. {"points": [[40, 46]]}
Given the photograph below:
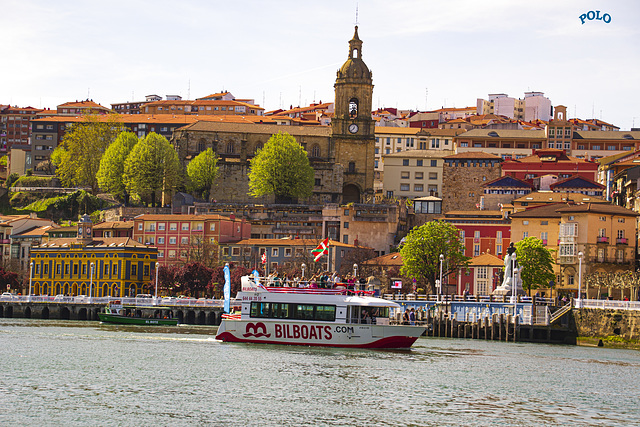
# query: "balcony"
{"points": [[622, 241], [603, 239], [567, 259], [4, 241]]}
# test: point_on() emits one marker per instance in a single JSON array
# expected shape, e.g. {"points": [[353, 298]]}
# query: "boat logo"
{"points": [[257, 330]]}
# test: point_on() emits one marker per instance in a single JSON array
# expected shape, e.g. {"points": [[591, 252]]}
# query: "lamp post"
{"points": [[156, 298], [30, 279], [440, 284], [304, 267], [580, 256], [91, 281], [514, 296], [355, 271]]}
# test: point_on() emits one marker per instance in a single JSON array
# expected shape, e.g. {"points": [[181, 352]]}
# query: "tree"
{"points": [[152, 167], [535, 262], [423, 246], [281, 168], [355, 256], [110, 174], [195, 278], [202, 251], [9, 278], [77, 158], [203, 172]]}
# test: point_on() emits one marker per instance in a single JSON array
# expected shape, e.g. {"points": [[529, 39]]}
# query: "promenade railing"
{"points": [[607, 304]]}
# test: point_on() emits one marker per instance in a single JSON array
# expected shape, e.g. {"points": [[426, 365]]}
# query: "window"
{"points": [[184, 240], [287, 252], [160, 254], [212, 226], [476, 250], [418, 162], [161, 226], [404, 175], [161, 240], [434, 163], [173, 226], [405, 162], [525, 234], [172, 240], [134, 270], [499, 249], [235, 251], [433, 175], [345, 239], [404, 187], [346, 225], [185, 226], [146, 270], [570, 280], [418, 187], [481, 272], [139, 226], [544, 236], [544, 222], [525, 222], [621, 220], [275, 252], [419, 175], [620, 234]]}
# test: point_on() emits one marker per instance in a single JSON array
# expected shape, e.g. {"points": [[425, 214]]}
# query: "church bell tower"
{"points": [[352, 128]]}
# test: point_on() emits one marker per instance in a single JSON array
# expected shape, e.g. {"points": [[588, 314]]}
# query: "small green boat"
{"points": [[114, 313]]}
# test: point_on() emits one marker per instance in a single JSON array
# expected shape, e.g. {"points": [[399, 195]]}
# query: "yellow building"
{"points": [[97, 267], [605, 236]]}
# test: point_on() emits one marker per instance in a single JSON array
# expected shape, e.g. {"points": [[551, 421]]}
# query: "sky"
{"points": [[424, 54]]}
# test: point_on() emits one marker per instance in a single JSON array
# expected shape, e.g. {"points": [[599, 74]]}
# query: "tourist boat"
{"points": [[314, 317], [117, 313]]}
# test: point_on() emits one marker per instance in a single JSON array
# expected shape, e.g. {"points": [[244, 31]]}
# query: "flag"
{"points": [[264, 258], [322, 249], [227, 288]]}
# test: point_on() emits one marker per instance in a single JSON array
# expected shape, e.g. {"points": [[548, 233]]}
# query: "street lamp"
{"points": [[91, 282], [304, 267], [30, 279], [355, 271], [157, 267], [580, 256], [440, 284]]}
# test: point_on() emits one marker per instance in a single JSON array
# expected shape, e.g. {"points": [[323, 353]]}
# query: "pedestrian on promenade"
{"points": [[412, 317]]}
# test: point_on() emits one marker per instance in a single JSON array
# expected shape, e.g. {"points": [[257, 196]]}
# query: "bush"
{"points": [[12, 178], [33, 181]]}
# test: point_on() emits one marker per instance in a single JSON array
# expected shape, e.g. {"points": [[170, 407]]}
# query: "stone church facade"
{"points": [[342, 155]]}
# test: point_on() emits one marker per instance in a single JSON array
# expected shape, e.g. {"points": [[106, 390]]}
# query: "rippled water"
{"points": [[82, 373]]}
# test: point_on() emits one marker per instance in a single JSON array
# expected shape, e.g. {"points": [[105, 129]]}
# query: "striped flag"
{"points": [[322, 249], [264, 258]]}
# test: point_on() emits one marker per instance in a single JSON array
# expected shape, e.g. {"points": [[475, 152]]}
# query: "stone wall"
{"points": [[462, 187], [604, 323]]}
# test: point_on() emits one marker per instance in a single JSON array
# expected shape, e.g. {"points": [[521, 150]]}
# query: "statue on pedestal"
{"points": [[511, 272]]}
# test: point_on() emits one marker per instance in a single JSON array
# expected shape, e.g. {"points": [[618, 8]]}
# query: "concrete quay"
{"points": [[191, 315]]}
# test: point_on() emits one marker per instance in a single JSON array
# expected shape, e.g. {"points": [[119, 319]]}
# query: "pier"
{"points": [[188, 311]]}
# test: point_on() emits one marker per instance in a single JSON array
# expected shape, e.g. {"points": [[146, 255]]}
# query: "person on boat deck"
{"points": [[412, 317], [405, 317], [365, 317]]}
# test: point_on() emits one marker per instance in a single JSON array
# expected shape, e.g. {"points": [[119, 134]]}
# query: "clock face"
{"points": [[353, 128]]}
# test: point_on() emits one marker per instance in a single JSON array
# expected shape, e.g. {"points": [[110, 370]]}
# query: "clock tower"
{"points": [[352, 128]]}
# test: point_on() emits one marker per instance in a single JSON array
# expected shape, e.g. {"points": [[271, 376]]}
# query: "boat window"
{"points": [[283, 310], [365, 314]]}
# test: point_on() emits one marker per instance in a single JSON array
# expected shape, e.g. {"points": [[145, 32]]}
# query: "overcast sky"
{"points": [[424, 54]]}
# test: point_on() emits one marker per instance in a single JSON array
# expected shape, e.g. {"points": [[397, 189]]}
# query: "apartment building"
{"points": [[413, 174], [604, 234], [481, 231], [177, 236], [534, 106]]}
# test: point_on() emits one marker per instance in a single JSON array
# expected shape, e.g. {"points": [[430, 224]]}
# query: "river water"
{"points": [[84, 373]]}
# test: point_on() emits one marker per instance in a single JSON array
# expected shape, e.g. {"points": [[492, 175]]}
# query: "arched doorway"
{"points": [[350, 194]]}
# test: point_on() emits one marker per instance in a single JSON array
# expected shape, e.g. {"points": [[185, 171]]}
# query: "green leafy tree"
{"points": [[203, 172], [422, 248], [152, 167], [536, 263], [77, 158], [281, 168], [110, 174]]}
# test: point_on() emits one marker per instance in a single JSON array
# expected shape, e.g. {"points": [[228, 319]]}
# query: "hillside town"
{"points": [[501, 171]]}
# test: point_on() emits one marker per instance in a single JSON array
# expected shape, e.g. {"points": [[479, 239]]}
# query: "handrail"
{"points": [[607, 304], [560, 312]]}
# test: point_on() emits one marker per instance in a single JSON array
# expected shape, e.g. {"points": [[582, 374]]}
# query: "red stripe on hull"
{"points": [[389, 342]]}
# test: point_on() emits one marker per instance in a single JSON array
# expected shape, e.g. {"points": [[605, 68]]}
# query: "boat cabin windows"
{"points": [[277, 310], [365, 314]]}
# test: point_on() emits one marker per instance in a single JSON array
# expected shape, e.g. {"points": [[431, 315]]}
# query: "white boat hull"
{"points": [[273, 331]]}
